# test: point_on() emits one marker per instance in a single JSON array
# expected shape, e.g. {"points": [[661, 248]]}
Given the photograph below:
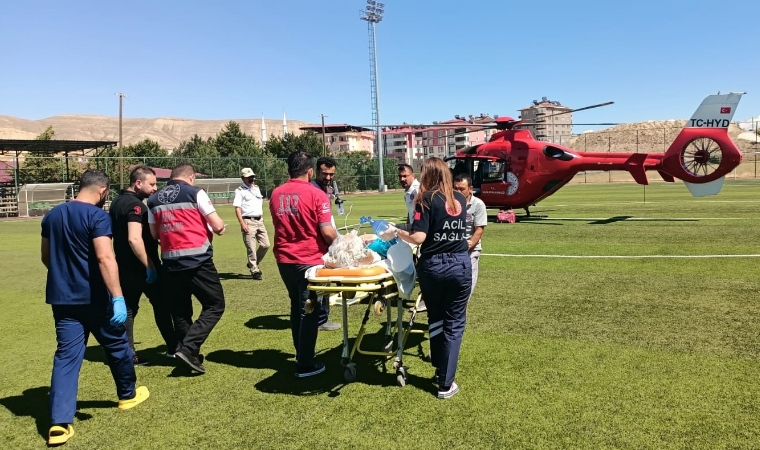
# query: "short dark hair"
{"points": [[183, 170], [299, 163], [93, 178], [326, 161], [458, 178], [403, 167], [139, 173]]}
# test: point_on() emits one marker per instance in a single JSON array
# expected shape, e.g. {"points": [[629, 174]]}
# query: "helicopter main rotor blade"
{"points": [[427, 125], [482, 125], [581, 109], [471, 131], [572, 124]]}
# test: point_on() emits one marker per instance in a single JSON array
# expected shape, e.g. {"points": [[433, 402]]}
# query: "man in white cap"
{"points": [[248, 209]]}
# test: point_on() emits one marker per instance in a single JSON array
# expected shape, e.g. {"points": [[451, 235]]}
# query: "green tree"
{"points": [[351, 171], [46, 135], [232, 141], [282, 146], [236, 149], [147, 152], [199, 152]]}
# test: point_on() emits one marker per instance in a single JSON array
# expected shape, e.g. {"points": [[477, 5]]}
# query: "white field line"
{"points": [[648, 202], [627, 219], [508, 255]]}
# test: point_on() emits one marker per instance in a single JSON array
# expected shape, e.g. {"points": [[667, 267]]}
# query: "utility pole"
{"points": [[121, 138], [324, 139], [374, 14]]}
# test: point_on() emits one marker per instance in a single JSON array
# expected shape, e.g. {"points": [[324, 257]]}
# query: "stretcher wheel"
{"points": [[349, 374], [379, 307], [401, 376]]}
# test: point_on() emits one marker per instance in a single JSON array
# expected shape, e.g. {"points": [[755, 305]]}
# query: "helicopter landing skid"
{"points": [[528, 215]]}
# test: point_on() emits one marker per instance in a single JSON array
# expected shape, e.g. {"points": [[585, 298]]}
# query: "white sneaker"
{"points": [[453, 389]]}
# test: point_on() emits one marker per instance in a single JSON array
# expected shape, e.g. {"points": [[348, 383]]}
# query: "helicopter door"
{"points": [[470, 166], [477, 177]]}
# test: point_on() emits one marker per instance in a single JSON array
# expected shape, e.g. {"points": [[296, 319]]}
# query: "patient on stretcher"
{"points": [[348, 251]]}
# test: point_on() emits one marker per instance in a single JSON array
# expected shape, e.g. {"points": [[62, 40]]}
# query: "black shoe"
{"points": [[191, 362], [256, 275], [139, 361], [306, 372]]}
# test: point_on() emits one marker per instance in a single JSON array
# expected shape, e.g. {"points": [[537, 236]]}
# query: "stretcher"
{"points": [[377, 286]]}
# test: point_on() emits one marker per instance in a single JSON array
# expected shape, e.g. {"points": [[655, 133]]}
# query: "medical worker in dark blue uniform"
{"points": [[444, 269], [82, 271]]}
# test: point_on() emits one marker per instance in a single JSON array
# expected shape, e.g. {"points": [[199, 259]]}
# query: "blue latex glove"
{"points": [[152, 276], [119, 311]]}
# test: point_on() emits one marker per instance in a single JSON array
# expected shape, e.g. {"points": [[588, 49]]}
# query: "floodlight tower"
{"points": [[373, 14]]}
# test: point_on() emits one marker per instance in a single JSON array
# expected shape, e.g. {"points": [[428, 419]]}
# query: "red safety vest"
{"points": [[183, 231]]}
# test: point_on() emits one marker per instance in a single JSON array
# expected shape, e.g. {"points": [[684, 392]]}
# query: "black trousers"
{"points": [[133, 286], [303, 327], [446, 282], [203, 283]]}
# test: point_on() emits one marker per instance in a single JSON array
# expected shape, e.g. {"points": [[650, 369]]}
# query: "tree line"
{"points": [[221, 156]]}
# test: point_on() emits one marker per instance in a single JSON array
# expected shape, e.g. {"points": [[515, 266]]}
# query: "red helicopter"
{"points": [[513, 170]]}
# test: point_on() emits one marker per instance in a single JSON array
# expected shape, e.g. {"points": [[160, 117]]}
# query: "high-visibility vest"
{"points": [[184, 233]]}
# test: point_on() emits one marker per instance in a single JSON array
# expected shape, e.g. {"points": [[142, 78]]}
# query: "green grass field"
{"points": [[594, 352]]}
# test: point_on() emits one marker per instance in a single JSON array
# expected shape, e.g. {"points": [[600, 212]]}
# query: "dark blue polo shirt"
{"points": [[73, 276], [446, 230]]}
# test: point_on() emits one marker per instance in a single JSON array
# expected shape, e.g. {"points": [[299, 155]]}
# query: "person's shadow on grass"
{"points": [[372, 370], [155, 356], [34, 403], [270, 322]]}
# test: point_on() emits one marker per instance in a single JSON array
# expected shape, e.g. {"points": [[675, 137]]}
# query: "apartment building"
{"points": [[549, 128], [404, 144], [414, 144], [346, 138]]}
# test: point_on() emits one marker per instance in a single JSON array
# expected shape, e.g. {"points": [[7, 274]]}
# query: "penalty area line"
{"points": [[507, 255]]}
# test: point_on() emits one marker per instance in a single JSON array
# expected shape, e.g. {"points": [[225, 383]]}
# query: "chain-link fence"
{"points": [[353, 174]]}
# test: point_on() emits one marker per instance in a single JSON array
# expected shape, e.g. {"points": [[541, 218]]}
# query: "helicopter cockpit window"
{"points": [[493, 171]]}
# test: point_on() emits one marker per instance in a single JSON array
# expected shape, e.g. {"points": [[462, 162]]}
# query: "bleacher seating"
{"points": [[8, 202]]}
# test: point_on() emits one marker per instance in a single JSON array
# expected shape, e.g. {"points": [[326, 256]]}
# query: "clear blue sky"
{"points": [[239, 59]]}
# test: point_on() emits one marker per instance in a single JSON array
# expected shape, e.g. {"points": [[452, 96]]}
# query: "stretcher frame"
{"points": [[381, 290]]}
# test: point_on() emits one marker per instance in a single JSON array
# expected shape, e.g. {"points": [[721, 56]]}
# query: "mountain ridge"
{"points": [[169, 132]]}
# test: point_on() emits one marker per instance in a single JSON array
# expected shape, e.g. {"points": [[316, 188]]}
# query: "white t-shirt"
{"points": [[249, 200], [204, 206], [409, 197], [330, 195], [477, 216]]}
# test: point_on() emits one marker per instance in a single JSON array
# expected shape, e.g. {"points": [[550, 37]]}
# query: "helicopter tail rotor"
{"points": [[703, 153]]}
